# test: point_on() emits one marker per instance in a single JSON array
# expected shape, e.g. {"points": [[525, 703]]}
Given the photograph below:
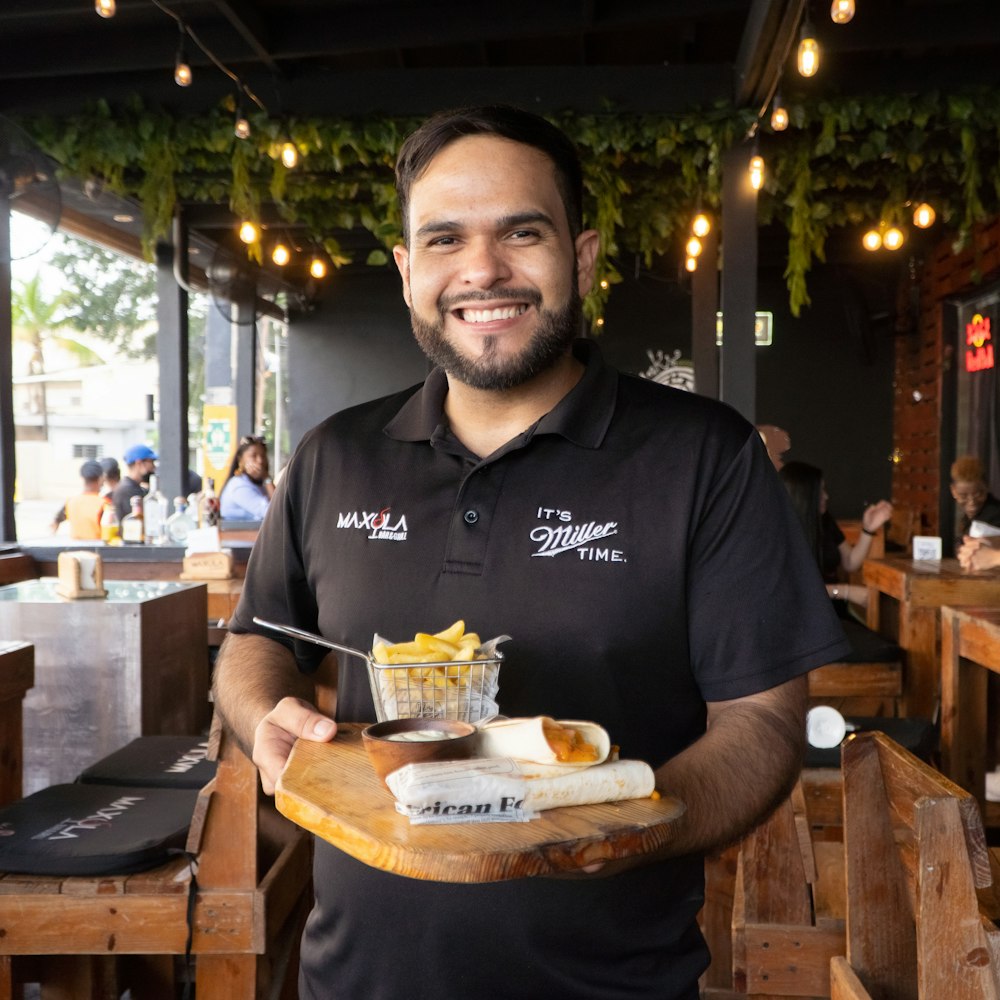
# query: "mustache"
{"points": [[448, 302]]}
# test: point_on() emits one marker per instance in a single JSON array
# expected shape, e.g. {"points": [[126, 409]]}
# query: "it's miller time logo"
{"points": [[560, 534]]}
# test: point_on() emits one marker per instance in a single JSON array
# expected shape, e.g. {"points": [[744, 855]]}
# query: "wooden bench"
{"points": [[915, 857], [102, 934]]}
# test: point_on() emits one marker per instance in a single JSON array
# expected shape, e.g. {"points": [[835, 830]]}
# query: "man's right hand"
{"points": [[289, 720]]}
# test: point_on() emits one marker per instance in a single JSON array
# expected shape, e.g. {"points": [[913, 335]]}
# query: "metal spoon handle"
{"points": [[298, 633]]}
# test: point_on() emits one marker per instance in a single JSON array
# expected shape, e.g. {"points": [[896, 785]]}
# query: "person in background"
{"points": [[970, 492], [111, 476], [834, 554], [249, 488], [523, 485], [84, 510], [140, 461]]}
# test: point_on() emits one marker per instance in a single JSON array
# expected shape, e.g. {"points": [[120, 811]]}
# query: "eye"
{"points": [[524, 235]]}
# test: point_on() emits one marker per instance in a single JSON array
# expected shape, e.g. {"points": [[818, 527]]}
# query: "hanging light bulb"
{"points": [[241, 124], [604, 284], [808, 54], [779, 115], [924, 216], [756, 172], [701, 225], [182, 68], [281, 255], [893, 238], [691, 264], [249, 232], [106, 8], [841, 11], [289, 155], [693, 247], [872, 240], [317, 267]]}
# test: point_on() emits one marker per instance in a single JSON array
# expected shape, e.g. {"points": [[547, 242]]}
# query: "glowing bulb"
{"points": [[106, 8], [701, 225], [600, 321], [182, 72], [241, 128], [604, 284], [779, 116], [281, 255], [872, 240], [808, 58], [249, 232], [924, 216], [691, 264], [289, 155], [756, 172], [893, 239], [841, 11], [317, 267], [693, 247]]}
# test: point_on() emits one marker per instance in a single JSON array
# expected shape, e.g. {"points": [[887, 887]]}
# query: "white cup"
{"points": [[825, 727]]}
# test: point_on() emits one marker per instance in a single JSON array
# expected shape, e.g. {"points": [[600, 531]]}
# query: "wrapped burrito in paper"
{"points": [[545, 746], [497, 789]]}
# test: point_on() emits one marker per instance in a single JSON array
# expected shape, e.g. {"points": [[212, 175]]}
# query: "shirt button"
{"points": [[471, 516]]}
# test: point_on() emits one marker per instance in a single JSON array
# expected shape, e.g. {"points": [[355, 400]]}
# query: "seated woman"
{"points": [[970, 492], [248, 490], [835, 555]]}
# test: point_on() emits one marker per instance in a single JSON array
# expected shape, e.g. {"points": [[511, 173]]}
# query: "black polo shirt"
{"points": [[639, 548]]}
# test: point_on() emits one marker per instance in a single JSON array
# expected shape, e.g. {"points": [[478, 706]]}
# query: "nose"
{"points": [[485, 264]]}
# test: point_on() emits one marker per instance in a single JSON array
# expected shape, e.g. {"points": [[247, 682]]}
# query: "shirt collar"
{"points": [[581, 416]]}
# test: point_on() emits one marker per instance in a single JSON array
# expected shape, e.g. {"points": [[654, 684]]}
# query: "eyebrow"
{"points": [[504, 222]]}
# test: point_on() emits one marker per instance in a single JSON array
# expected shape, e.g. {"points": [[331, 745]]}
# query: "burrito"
{"points": [[542, 745]]}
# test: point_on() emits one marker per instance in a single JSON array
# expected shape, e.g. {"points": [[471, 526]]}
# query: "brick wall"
{"points": [[921, 358]]}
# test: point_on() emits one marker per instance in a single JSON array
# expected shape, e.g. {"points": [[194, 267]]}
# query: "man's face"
{"points": [[968, 495], [493, 279]]}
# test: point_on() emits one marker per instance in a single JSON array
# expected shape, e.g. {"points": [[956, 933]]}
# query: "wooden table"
{"points": [[904, 604], [17, 675], [970, 650]]}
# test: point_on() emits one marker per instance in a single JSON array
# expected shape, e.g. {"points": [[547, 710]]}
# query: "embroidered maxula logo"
{"points": [[380, 525]]}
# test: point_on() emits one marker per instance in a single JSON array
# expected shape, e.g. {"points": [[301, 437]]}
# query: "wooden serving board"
{"points": [[331, 790]]}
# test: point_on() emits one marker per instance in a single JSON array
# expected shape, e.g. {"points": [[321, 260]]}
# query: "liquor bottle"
{"points": [[154, 514], [208, 509], [180, 524], [132, 531], [110, 527]]}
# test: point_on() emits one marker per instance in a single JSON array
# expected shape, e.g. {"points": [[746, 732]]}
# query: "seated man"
{"points": [[970, 492]]}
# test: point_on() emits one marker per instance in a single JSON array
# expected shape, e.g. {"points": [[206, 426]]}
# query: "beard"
{"points": [[552, 336]]}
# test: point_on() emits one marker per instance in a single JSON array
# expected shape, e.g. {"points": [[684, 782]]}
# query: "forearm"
{"points": [[855, 556], [252, 674], [743, 766]]}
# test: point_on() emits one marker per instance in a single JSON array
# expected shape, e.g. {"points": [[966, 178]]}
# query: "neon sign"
{"points": [[978, 344]]}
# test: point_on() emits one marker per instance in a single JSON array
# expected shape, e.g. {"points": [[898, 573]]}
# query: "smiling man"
{"points": [[633, 539]]}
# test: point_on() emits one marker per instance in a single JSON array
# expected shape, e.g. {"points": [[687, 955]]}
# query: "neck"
{"points": [[486, 419]]}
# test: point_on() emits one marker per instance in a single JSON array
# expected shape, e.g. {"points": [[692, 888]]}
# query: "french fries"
{"points": [[450, 645]]}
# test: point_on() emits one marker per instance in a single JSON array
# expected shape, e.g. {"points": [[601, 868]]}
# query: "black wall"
{"points": [[826, 379]]}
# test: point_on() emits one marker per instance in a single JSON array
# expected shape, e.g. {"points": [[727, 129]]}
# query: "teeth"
{"points": [[488, 315]]}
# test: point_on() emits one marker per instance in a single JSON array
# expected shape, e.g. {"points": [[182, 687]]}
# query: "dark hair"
{"points": [[244, 443], [445, 127], [804, 483]]}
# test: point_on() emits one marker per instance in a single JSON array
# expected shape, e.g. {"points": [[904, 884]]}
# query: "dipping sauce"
{"points": [[422, 736]]}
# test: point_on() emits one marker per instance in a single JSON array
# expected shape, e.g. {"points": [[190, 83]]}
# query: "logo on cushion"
{"points": [[380, 524], [561, 534], [70, 829]]}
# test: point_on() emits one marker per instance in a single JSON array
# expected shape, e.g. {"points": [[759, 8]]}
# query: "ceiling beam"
{"points": [[764, 47], [250, 27]]}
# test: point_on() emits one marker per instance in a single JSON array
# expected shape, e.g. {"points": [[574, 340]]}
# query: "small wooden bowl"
{"points": [[388, 754]]}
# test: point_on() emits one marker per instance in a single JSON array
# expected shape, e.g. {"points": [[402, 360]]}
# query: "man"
{"points": [[633, 539], [84, 510], [140, 461], [972, 495], [111, 475]]}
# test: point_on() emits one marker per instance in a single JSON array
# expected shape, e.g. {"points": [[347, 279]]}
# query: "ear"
{"points": [[587, 244], [402, 257]]}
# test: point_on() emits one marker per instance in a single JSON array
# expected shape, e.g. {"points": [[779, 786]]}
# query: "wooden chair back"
{"points": [[915, 853], [903, 525]]}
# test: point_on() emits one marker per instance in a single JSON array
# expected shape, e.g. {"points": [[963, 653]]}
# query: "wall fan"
{"points": [[28, 183]]}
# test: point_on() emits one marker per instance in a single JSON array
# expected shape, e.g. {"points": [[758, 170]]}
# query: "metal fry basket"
{"points": [[459, 689]]}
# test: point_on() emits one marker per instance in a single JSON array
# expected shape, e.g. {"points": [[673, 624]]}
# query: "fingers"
{"points": [[276, 733]]}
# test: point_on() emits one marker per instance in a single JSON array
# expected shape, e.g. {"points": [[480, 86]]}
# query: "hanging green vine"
{"points": [[843, 163]]}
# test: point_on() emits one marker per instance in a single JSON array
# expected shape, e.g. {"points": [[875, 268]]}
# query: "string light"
{"points": [[241, 124], [893, 238], [317, 267], [106, 8], [289, 154], [701, 225], [693, 247], [756, 172], [924, 215], [872, 240], [691, 264], [281, 255], [779, 115], [808, 54], [604, 284], [841, 11], [182, 68], [249, 232]]}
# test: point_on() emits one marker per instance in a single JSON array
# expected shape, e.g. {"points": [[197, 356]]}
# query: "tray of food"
{"points": [[333, 790]]}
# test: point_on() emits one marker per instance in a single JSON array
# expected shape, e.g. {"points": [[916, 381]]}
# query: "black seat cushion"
{"points": [[78, 829], [155, 762], [919, 736], [868, 646]]}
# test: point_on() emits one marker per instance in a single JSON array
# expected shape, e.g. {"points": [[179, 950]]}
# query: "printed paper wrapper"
{"points": [[496, 790], [442, 690]]}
